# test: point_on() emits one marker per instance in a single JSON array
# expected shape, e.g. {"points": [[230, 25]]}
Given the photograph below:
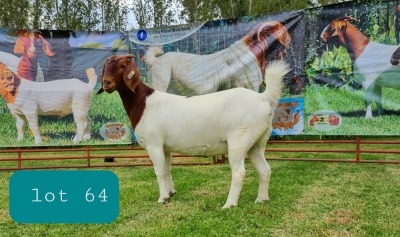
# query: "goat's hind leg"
{"points": [[86, 133], [236, 161], [20, 122], [256, 156], [81, 125]]}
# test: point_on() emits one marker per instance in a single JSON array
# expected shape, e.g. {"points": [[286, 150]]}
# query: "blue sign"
{"points": [[141, 35], [64, 196]]}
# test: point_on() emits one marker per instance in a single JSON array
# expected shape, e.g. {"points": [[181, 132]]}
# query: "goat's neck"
{"points": [[355, 42], [135, 102]]}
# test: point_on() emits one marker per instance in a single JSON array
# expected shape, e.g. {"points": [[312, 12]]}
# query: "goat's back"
{"points": [[201, 125]]}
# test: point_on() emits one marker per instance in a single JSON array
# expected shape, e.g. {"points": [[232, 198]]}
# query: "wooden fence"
{"points": [[355, 150]]}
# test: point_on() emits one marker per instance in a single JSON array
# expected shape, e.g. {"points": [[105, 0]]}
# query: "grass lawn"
{"points": [[350, 105], [307, 199]]}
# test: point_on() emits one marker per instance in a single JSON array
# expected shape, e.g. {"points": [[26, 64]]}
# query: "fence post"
{"points": [[358, 148], [19, 158], [88, 155]]}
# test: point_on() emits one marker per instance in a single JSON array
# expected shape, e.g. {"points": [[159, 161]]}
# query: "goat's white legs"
{"points": [[368, 114], [86, 133], [20, 122], [33, 125], [158, 159], [256, 156], [236, 162], [169, 184], [81, 126]]}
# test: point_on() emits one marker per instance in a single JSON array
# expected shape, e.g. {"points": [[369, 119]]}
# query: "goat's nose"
{"points": [[106, 82]]}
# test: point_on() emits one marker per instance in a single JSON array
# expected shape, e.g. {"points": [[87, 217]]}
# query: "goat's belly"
{"points": [[217, 148], [60, 110]]}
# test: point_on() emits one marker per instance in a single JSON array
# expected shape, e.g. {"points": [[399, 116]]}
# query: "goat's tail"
{"points": [[151, 54], [91, 74], [274, 74]]}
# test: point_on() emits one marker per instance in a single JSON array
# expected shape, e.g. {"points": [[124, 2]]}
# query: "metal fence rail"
{"points": [[357, 150]]}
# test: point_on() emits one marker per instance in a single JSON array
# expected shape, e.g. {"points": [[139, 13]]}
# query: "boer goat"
{"points": [[166, 123], [28, 44], [27, 99], [370, 59], [192, 74]]}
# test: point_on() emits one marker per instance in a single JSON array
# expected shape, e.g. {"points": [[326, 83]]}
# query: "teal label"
{"points": [[64, 196]]}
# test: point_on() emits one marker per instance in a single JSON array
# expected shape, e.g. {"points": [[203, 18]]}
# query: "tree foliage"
{"points": [[113, 15]]}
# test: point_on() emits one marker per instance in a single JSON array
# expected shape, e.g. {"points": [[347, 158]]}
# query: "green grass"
{"points": [[307, 199], [350, 104]]}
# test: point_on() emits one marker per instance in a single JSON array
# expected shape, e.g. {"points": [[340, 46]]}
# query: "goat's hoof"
{"points": [[262, 200], [86, 137], [228, 205], [172, 193], [164, 200]]}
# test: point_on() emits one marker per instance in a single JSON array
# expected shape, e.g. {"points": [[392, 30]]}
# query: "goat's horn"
{"points": [[128, 56], [350, 18], [282, 30], [263, 25], [125, 56]]}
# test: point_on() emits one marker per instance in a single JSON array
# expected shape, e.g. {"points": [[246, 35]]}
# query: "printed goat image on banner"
{"points": [[353, 70], [47, 82], [197, 59]]}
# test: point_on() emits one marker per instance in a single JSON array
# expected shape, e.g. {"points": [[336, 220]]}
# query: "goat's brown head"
{"points": [[268, 41], [336, 27], [119, 72], [9, 84]]}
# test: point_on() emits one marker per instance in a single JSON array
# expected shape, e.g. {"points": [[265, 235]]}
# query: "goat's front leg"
{"points": [[34, 126], [20, 122], [369, 96], [168, 177], [158, 159], [378, 99]]}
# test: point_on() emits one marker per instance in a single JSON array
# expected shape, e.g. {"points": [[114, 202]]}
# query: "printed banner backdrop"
{"points": [[353, 70], [202, 58], [344, 77], [48, 80]]}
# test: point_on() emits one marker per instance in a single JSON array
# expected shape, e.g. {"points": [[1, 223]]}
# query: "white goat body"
{"points": [[236, 121], [193, 74], [60, 98], [374, 61]]}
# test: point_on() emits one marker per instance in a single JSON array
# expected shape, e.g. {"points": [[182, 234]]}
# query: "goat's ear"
{"points": [[102, 75], [46, 47], [131, 75], [284, 36], [19, 45]]}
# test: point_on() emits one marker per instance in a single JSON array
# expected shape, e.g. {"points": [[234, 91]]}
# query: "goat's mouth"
{"points": [[109, 88]]}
